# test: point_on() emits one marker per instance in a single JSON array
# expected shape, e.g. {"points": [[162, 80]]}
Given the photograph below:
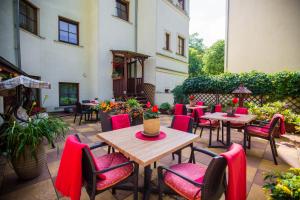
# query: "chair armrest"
{"points": [[115, 167], [97, 145], [161, 168], [209, 153]]}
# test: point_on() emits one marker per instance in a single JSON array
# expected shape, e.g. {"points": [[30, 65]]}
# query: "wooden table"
{"points": [[146, 152], [220, 116], [194, 107]]}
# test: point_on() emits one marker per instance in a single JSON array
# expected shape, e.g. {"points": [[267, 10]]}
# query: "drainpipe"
{"points": [[17, 33], [226, 35]]}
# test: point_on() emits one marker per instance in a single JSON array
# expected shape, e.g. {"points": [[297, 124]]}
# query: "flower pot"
{"points": [[28, 167], [151, 126], [192, 103]]}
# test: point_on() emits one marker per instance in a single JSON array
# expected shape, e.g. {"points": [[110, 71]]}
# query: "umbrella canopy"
{"points": [[241, 90], [24, 80]]}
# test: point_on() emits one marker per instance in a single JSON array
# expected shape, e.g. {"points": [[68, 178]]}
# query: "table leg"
{"points": [[147, 182], [228, 134]]}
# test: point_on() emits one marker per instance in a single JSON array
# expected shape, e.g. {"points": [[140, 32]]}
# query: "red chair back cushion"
{"points": [[218, 108], [178, 109], [200, 103], [241, 110], [120, 121], [181, 123]]}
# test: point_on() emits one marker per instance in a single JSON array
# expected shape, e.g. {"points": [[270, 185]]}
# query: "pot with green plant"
{"points": [[25, 147], [151, 120], [165, 108], [231, 107]]}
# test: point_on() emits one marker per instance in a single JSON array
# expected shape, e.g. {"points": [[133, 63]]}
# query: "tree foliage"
{"points": [[196, 50], [213, 58]]}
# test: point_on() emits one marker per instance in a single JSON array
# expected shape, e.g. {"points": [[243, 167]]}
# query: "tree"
{"points": [[196, 50], [213, 58]]}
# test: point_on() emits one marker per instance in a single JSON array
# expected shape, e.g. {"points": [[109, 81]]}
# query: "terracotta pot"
{"points": [[29, 167], [151, 126]]}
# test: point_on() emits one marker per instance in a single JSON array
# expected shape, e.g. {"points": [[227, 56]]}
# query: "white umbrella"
{"points": [[24, 80]]}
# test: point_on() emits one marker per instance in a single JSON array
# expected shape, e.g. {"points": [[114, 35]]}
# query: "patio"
{"points": [[259, 160]]}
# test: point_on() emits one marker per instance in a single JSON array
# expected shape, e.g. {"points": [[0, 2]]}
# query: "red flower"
{"points": [[235, 100], [192, 97], [155, 109], [148, 104]]}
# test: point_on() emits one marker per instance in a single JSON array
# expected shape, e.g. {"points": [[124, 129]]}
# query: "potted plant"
{"points": [[25, 147], [283, 185], [164, 108], [232, 106], [192, 101], [151, 120], [135, 110]]}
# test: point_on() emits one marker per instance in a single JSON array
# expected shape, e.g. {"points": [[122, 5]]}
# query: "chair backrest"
{"points": [[200, 103], [241, 110], [273, 123], [120, 121], [215, 179], [180, 109], [88, 167], [198, 113], [86, 101], [218, 108], [105, 121], [78, 107], [182, 123]]}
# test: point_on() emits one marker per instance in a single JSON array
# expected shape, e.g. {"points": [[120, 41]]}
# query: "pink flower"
{"points": [[148, 104]]}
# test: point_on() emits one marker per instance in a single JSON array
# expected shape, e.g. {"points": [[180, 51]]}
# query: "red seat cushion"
{"points": [[113, 176], [258, 131], [205, 122], [192, 171], [181, 123]]}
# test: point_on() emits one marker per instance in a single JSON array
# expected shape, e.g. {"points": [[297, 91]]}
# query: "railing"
{"points": [[118, 87], [131, 85]]}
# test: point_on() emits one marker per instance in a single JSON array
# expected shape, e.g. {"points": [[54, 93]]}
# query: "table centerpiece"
{"points": [[151, 120]]}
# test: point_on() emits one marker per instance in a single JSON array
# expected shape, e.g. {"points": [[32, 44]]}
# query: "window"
{"points": [[167, 47], [28, 17], [68, 31], [122, 7], [181, 46], [68, 94], [181, 4]]}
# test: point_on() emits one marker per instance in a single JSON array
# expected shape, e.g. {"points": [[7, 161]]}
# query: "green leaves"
{"points": [[31, 134], [277, 86], [213, 58]]}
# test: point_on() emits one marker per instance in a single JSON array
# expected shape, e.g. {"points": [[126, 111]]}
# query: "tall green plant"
{"points": [[31, 134], [179, 95]]}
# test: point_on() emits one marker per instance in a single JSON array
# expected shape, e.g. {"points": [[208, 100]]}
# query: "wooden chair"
{"points": [[193, 181], [182, 123], [118, 173], [79, 110], [265, 132], [205, 123]]}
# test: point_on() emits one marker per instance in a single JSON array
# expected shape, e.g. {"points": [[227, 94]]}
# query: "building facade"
{"points": [[69, 43], [262, 35]]}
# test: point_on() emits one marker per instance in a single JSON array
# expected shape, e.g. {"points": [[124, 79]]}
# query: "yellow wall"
{"points": [[263, 35]]}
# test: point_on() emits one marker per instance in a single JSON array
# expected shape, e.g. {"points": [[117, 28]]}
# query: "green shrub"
{"points": [[165, 106], [132, 103], [179, 95], [282, 186], [276, 85]]}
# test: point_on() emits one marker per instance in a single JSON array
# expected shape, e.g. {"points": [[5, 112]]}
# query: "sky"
{"points": [[207, 17]]}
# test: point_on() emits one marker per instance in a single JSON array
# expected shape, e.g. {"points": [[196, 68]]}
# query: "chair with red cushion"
{"points": [[238, 126], [200, 103], [182, 123], [205, 123], [120, 121], [265, 131], [193, 181], [115, 169], [180, 109], [218, 108]]}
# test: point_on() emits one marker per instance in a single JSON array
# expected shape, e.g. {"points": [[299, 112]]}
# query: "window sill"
{"points": [[178, 54], [34, 35], [68, 44], [168, 50], [123, 20]]}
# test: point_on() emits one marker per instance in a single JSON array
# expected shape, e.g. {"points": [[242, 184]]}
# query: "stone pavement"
{"points": [[259, 160]]}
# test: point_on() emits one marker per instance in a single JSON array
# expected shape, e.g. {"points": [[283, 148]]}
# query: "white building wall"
{"points": [[55, 61], [7, 44], [113, 33]]}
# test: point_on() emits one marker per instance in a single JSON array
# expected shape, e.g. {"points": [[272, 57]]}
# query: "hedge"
{"points": [[277, 85]]}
